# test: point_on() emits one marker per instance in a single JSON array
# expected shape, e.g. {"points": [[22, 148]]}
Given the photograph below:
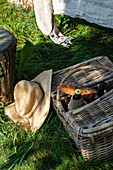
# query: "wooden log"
{"points": [[7, 64]]}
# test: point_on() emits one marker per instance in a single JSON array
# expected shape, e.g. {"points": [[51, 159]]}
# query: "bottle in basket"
{"points": [[101, 88], [76, 100]]}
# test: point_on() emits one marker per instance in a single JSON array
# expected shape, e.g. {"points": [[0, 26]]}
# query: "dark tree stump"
{"points": [[7, 64]]}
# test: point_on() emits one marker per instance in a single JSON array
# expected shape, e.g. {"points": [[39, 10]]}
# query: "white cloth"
{"points": [[94, 11], [44, 12]]}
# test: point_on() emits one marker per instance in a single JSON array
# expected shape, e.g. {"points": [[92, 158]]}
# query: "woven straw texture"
{"points": [[91, 125]]}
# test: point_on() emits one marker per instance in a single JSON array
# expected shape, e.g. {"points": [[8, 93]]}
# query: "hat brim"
{"points": [[11, 112], [44, 79], [39, 116]]}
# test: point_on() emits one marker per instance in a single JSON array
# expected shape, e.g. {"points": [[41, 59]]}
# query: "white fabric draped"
{"points": [[94, 11]]}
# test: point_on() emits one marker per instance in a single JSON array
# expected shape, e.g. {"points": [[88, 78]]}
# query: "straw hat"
{"points": [[32, 101]]}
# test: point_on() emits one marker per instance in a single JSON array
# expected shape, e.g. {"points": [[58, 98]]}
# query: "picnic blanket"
{"points": [[94, 11]]}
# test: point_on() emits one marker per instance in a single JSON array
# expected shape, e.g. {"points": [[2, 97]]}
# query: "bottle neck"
{"points": [[76, 96], [102, 85], [101, 88]]}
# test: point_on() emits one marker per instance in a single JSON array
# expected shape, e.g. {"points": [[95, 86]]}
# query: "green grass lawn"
{"points": [[50, 147]]}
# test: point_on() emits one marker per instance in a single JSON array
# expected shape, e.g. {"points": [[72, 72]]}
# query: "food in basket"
{"points": [[70, 88], [76, 100]]}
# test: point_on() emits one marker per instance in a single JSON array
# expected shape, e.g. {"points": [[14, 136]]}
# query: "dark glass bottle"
{"points": [[76, 100], [101, 89], [77, 94]]}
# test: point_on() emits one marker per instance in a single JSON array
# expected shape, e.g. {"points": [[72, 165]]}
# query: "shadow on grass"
{"points": [[49, 148], [88, 42], [66, 23], [45, 149]]}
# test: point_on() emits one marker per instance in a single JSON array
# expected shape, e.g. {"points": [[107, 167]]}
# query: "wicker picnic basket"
{"points": [[91, 125]]}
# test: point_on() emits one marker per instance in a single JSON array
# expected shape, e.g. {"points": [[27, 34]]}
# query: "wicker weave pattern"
{"points": [[91, 126]]}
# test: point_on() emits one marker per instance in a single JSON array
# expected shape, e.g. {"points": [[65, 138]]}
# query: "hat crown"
{"points": [[27, 95]]}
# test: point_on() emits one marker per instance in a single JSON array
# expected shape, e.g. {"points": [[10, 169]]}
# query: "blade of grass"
{"points": [[25, 153]]}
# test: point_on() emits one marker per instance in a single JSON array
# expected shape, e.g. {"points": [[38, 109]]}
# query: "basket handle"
{"points": [[59, 103]]}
